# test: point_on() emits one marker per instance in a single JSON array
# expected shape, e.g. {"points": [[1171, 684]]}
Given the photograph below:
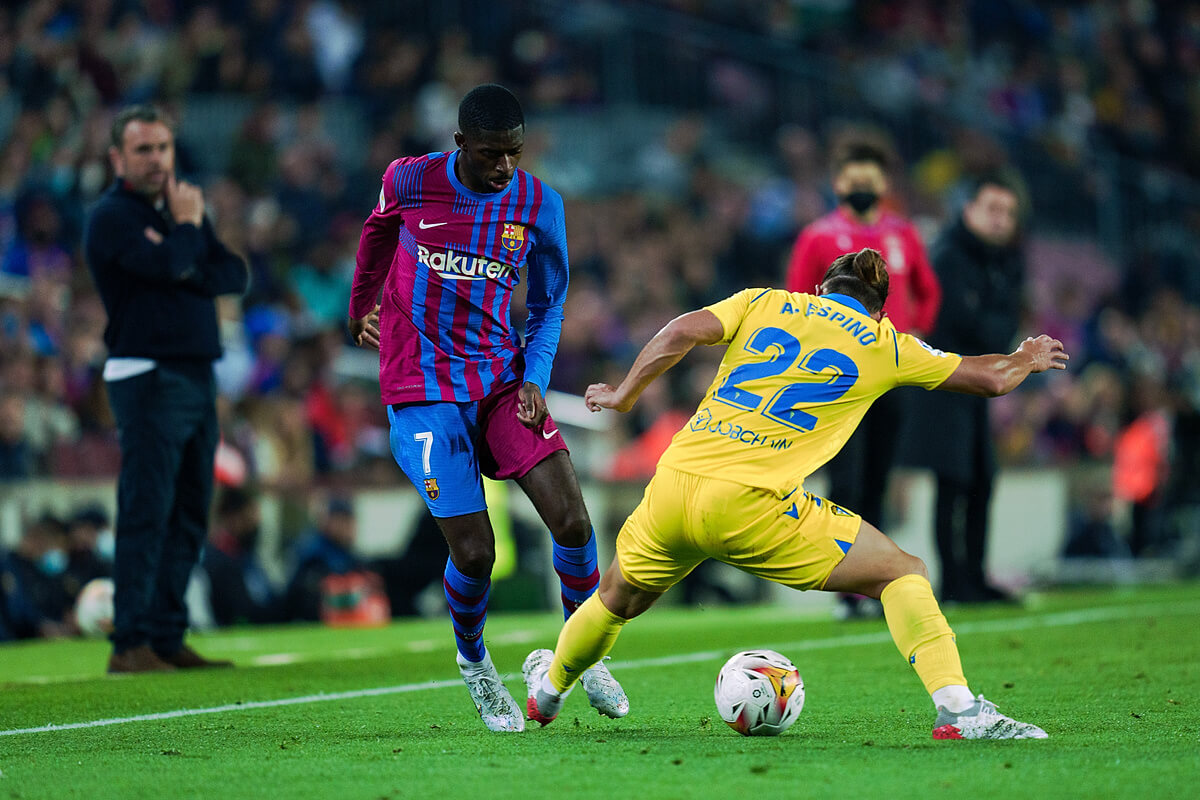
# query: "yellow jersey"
{"points": [[799, 373]]}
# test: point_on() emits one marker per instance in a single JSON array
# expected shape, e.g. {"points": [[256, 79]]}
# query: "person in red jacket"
{"points": [[858, 474]]}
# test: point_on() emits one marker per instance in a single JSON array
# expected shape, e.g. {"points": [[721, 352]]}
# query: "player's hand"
{"points": [[185, 201], [601, 395], [1047, 353], [365, 331], [531, 406]]}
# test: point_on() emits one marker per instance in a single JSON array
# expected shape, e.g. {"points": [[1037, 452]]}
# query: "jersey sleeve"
{"points": [[918, 364], [548, 279], [733, 309], [376, 247]]}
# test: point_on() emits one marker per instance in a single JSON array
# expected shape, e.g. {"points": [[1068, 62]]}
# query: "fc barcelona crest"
{"points": [[431, 488], [513, 236]]}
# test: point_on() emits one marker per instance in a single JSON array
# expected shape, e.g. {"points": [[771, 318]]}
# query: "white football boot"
{"points": [[542, 703], [495, 705], [603, 691], [982, 721]]}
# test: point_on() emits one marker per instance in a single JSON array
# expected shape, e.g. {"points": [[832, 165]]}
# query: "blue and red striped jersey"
{"points": [[447, 260]]}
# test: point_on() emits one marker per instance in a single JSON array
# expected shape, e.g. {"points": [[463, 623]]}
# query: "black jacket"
{"points": [[158, 294], [982, 295]]}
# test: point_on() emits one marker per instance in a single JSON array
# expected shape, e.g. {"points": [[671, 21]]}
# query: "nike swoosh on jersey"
{"points": [[423, 225], [549, 434]]}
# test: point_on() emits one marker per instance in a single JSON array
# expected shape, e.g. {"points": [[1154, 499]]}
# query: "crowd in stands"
{"points": [[693, 217], [324, 578]]}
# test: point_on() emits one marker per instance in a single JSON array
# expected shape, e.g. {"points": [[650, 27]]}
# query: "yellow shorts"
{"points": [[684, 519]]}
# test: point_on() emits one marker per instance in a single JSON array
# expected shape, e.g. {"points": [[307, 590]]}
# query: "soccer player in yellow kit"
{"points": [[799, 372]]}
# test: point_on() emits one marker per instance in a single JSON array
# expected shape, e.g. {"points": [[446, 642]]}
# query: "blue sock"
{"points": [[578, 572], [468, 598]]}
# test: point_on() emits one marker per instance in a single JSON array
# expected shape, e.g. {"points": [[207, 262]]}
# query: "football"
{"points": [[94, 607], [759, 693]]}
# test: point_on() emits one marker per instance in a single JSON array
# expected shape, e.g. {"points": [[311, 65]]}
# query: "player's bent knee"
{"points": [[573, 529], [475, 560], [897, 567], [914, 566]]}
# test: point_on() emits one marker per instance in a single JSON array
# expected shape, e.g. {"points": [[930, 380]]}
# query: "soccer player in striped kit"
{"points": [[446, 245]]}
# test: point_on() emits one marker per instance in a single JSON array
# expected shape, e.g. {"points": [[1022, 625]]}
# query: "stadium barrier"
{"points": [[1029, 514]]}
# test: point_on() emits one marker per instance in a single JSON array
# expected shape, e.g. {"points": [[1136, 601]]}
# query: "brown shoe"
{"points": [[187, 658], [137, 659]]}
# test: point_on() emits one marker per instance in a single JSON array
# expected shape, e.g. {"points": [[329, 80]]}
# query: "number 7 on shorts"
{"points": [[426, 440]]}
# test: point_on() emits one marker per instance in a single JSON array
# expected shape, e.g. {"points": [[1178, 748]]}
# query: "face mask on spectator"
{"points": [[860, 200], [53, 562], [106, 544]]}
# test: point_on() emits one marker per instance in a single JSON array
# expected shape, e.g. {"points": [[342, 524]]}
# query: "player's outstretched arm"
{"points": [[660, 354], [994, 375]]}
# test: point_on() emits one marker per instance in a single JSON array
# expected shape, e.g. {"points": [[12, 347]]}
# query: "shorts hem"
{"points": [[637, 584], [436, 515], [522, 469]]}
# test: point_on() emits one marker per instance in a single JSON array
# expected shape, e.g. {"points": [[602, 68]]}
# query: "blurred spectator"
{"points": [[90, 548], [981, 266], [32, 577], [858, 474], [419, 567], [49, 419], [268, 330], [38, 252], [326, 550], [862, 219], [254, 153], [336, 30], [239, 590], [1141, 463], [1090, 529], [322, 285], [16, 452]]}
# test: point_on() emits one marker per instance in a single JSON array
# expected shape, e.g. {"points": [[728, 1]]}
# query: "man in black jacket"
{"points": [[158, 267], [981, 266]]}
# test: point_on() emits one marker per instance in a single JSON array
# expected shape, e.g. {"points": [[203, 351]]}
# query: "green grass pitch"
{"points": [[1113, 676]]}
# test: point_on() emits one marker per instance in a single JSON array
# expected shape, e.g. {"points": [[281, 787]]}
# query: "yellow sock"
{"points": [[585, 639], [921, 632]]}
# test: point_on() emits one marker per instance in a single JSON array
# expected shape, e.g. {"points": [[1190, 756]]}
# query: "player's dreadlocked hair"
{"points": [[862, 275], [489, 107]]}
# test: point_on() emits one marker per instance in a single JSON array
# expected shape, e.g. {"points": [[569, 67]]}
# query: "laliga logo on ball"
{"points": [[759, 693]]}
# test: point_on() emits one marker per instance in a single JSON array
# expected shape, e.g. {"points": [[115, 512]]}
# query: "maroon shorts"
{"points": [[507, 449]]}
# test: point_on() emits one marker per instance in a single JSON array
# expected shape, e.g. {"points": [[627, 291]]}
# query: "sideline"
{"points": [[1030, 622]]}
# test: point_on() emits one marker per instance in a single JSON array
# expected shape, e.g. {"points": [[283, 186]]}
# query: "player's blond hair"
{"points": [[862, 275]]}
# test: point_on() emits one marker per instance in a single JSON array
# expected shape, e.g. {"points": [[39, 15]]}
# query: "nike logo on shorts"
{"points": [[549, 434], [423, 225]]}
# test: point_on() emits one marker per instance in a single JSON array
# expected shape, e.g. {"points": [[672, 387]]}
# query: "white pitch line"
{"points": [[1052, 620]]}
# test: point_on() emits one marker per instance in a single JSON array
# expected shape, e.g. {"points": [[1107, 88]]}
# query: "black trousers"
{"points": [[961, 515], [167, 424], [858, 474]]}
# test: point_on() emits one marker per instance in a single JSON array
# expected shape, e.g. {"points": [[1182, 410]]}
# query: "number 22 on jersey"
{"points": [[783, 351]]}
